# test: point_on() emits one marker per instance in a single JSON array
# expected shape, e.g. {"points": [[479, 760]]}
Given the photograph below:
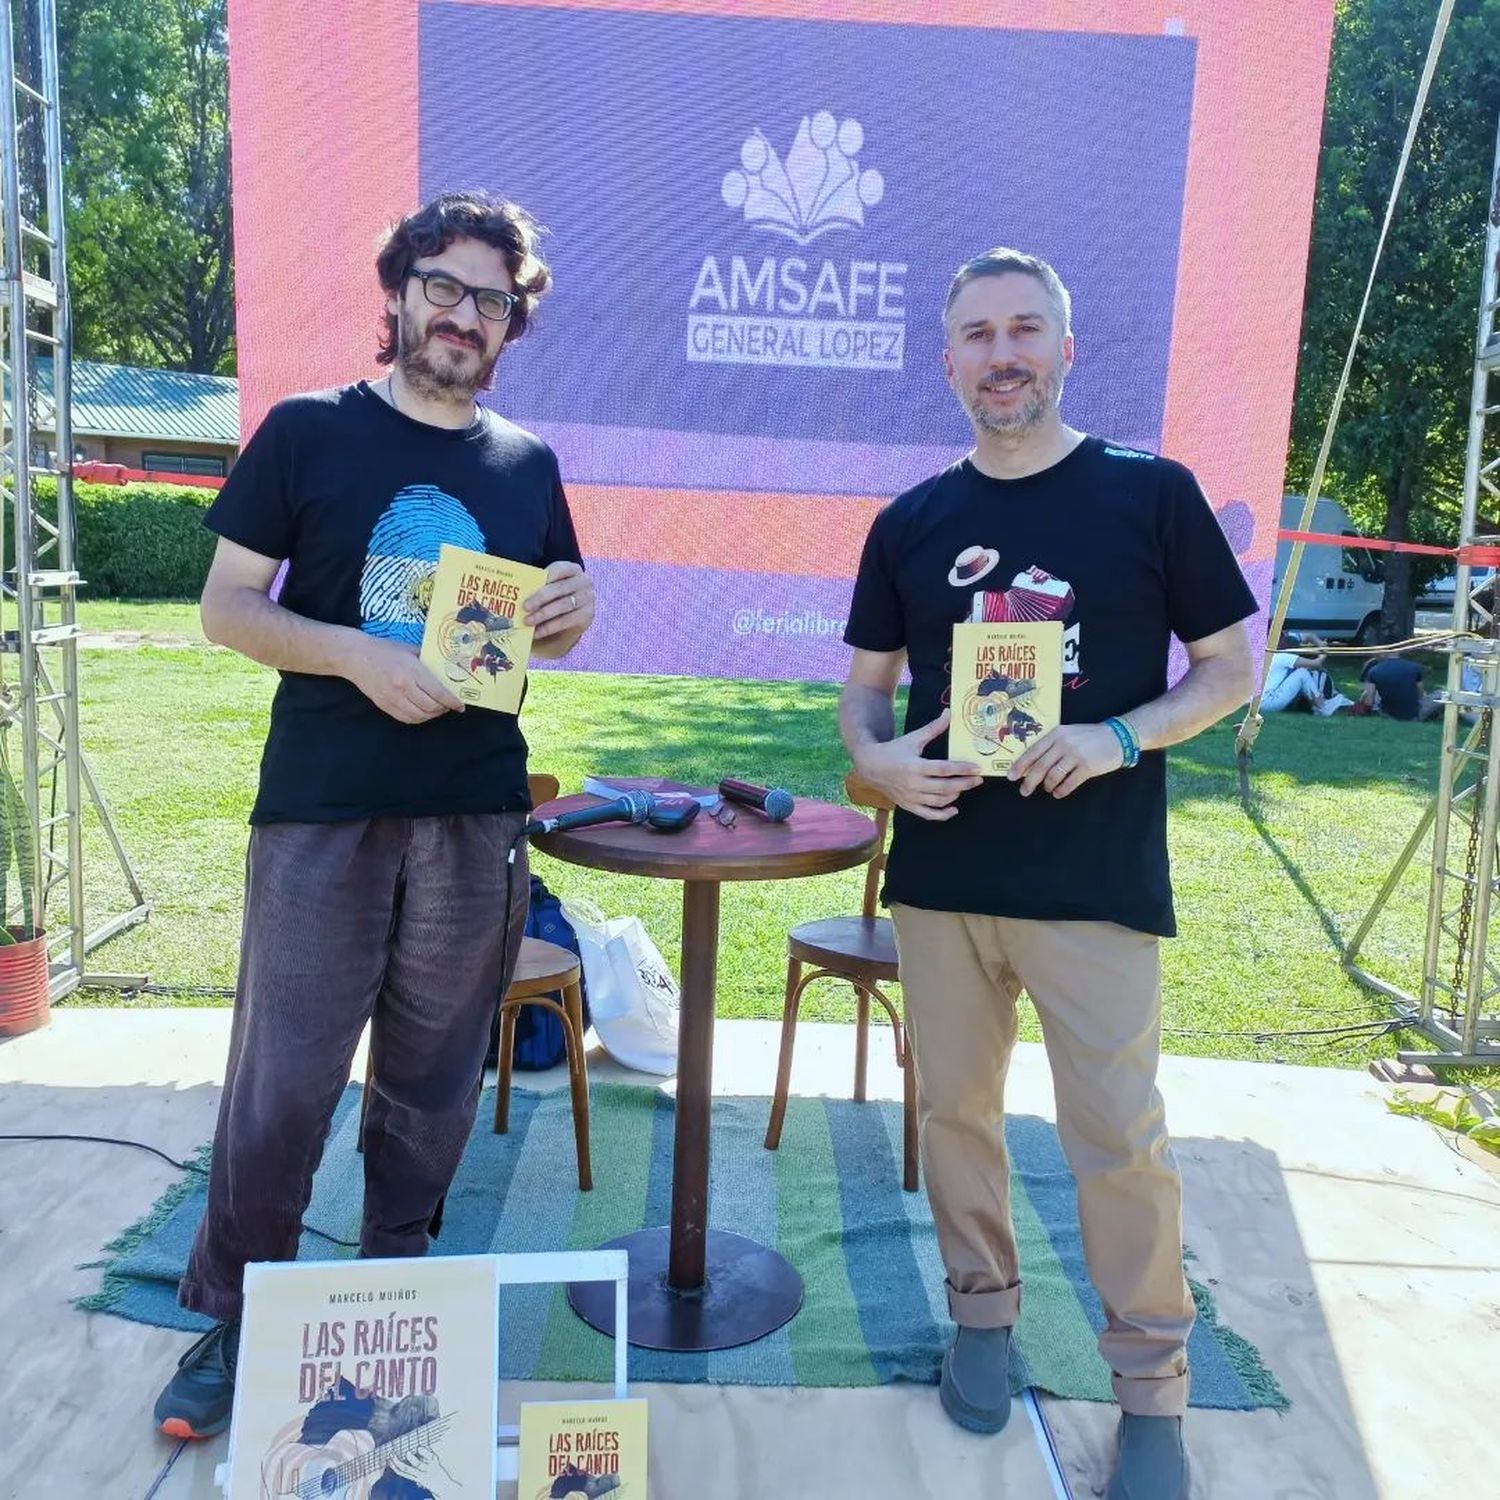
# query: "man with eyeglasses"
{"points": [[385, 879]]}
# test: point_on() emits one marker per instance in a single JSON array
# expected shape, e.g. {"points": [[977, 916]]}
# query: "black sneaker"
{"points": [[197, 1400]]}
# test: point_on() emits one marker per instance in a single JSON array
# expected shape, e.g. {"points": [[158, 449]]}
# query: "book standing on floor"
{"points": [[583, 1450], [356, 1372]]}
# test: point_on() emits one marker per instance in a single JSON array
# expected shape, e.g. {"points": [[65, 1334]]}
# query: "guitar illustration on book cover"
{"points": [[388, 1444], [1006, 690], [475, 639], [367, 1380]]}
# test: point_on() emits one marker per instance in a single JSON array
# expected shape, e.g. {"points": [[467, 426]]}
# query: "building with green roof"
{"points": [[167, 421]]}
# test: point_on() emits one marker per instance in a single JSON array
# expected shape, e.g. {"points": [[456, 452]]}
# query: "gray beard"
{"points": [[436, 378], [1045, 399]]}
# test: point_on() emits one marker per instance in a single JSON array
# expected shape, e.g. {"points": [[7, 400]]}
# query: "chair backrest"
{"points": [[543, 788], [862, 794]]}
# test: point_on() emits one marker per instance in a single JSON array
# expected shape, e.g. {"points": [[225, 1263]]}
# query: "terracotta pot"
{"points": [[24, 984]]}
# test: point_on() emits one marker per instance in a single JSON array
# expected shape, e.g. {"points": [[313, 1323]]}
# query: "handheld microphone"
{"points": [[776, 804], [632, 807]]}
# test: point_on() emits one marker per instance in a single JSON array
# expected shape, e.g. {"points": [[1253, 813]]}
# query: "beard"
{"points": [[1044, 399], [432, 369]]}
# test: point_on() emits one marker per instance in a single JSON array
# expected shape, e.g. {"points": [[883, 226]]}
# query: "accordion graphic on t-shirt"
{"points": [[1033, 595], [1006, 691]]}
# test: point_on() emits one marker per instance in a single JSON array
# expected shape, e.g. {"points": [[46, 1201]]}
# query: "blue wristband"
{"points": [[1130, 746]]}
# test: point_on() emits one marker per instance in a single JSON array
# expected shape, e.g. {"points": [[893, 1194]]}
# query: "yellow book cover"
{"points": [[475, 640], [367, 1374], [582, 1449], [1006, 690]]}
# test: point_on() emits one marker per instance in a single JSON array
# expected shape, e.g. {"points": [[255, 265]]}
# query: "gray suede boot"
{"points": [[1153, 1461], [975, 1384]]}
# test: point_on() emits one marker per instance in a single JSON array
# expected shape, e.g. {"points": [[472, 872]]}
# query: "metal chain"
{"points": [[1471, 864], [1476, 820]]}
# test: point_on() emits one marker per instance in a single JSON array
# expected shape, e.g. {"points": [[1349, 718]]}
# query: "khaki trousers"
{"points": [[1096, 988]]}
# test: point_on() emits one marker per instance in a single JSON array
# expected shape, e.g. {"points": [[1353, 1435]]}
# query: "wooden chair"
{"points": [[862, 952], [541, 970]]}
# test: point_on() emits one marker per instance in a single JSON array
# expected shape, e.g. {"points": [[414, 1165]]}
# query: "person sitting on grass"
{"points": [[1296, 679], [1393, 687]]}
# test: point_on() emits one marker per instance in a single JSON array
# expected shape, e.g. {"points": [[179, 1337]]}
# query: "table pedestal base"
{"points": [[749, 1291]]}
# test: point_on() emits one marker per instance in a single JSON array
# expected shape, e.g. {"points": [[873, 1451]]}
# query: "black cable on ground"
{"points": [[214, 991], [1388, 1028], [111, 1140], [182, 1166], [1372, 1028]]}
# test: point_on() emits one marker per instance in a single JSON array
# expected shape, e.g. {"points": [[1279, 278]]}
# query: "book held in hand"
{"points": [[476, 641], [583, 1449], [356, 1372], [1006, 691]]}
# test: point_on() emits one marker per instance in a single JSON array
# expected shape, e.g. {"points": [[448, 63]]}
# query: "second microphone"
{"points": [[776, 804]]}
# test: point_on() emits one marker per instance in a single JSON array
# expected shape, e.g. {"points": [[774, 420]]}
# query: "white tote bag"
{"points": [[633, 997]]}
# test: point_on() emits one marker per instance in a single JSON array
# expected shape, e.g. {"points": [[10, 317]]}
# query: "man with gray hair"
{"points": [[1053, 878]]}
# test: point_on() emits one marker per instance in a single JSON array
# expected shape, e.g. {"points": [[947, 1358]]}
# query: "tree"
{"points": [[1397, 460], [146, 167]]}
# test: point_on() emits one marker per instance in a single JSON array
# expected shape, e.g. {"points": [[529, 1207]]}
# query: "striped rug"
{"points": [[830, 1200]]}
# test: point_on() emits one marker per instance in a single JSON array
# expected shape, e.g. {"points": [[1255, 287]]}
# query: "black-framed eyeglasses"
{"points": [[443, 290]]}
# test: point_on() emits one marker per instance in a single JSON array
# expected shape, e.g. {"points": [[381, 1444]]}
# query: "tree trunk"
{"points": [[1398, 607]]}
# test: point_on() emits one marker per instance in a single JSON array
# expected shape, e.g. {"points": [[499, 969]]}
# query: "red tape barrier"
{"points": [[1474, 555], [95, 471]]}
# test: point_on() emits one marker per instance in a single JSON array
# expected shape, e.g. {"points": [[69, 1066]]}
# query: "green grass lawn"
{"points": [[174, 734]]}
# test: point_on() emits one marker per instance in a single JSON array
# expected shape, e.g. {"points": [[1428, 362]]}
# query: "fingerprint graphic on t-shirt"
{"points": [[402, 556]]}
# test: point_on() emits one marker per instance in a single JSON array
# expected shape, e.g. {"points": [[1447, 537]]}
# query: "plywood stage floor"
{"points": [[1360, 1251]]}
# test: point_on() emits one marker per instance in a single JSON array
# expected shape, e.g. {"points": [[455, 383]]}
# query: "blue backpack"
{"points": [[540, 1040]]}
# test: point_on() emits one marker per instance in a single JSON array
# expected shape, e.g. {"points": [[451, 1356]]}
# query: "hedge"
{"points": [[135, 541]]}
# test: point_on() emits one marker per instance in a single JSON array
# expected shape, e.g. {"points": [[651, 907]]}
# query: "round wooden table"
{"points": [[692, 1287]]}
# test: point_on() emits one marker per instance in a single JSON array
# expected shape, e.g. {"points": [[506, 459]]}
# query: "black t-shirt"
{"points": [[358, 498], [1398, 681], [1120, 546]]}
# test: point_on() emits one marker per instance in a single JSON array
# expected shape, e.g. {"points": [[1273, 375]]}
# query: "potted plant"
{"points": [[25, 980]]}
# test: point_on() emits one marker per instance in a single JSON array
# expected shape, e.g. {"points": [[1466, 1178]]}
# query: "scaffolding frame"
{"points": [[38, 591], [1455, 1006]]}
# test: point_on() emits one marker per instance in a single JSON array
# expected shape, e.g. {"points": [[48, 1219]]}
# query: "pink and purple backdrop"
{"points": [[737, 368]]}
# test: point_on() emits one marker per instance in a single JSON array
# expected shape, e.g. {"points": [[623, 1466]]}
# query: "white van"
{"points": [[1338, 590], [1435, 606]]}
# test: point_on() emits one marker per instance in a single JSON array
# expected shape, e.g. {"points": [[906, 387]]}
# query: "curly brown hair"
{"points": [[470, 215]]}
